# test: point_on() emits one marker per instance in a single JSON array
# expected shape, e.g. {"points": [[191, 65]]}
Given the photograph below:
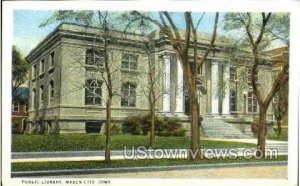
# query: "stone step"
{"points": [[215, 127]]}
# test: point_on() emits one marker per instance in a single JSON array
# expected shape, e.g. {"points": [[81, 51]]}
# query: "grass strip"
{"points": [[128, 163]]}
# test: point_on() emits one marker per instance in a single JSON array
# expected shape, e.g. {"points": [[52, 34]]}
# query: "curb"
{"points": [[138, 169]]}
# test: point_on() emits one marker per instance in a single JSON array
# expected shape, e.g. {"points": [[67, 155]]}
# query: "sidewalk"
{"points": [[22, 157]]}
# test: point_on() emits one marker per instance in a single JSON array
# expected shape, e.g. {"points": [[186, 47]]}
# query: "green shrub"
{"points": [[254, 126], [180, 132], [164, 126], [167, 124], [145, 123], [14, 129], [132, 125], [115, 129]]}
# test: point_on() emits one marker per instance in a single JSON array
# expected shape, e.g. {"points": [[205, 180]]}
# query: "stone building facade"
{"points": [[68, 92]]}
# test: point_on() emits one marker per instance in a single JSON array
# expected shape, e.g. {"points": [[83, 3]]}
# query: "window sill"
{"points": [[128, 107], [51, 69], [94, 67], [41, 75], [134, 71]]}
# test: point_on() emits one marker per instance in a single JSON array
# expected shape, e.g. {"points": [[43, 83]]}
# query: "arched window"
{"points": [[128, 95], [93, 92], [95, 57]]}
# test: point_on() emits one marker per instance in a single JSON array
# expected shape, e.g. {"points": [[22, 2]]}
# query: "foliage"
{"points": [[276, 29], [20, 68], [86, 142], [14, 128], [121, 21], [164, 126], [272, 135], [132, 125], [115, 129]]}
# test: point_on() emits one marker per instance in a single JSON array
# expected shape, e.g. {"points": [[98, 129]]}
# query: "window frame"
{"points": [[96, 55], [127, 61], [42, 66], [233, 101], [130, 100], [42, 95], [252, 104], [94, 92], [16, 106], [34, 71], [26, 107], [51, 91], [52, 60]]}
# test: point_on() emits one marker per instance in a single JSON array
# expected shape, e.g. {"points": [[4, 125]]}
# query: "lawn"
{"points": [[84, 142], [125, 163], [271, 135]]}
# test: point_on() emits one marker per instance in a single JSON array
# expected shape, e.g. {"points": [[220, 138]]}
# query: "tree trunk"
{"points": [[195, 133], [261, 140], [152, 126], [279, 128], [107, 130]]}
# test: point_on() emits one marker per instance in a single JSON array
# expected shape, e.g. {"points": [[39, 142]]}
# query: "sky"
{"points": [[27, 33]]}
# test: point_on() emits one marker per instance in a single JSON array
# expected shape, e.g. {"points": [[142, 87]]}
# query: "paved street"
{"points": [[266, 171]]}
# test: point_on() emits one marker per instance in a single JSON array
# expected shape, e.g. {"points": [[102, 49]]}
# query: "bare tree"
{"points": [[256, 28], [184, 46], [101, 59]]}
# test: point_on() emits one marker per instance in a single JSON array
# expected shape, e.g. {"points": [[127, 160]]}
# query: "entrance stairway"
{"points": [[217, 128]]}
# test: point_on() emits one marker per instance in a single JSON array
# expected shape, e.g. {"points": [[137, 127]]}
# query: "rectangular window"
{"points": [[129, 61], [34, 71], [232, 73], [128, 95], [232, 101], [95, 57], [52, 60], [51, 90], [42, 66], [26, 107], [15, 106], [252, 103], [93, 92], [41, 96]]}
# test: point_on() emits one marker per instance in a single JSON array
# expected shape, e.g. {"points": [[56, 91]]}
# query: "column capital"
{"points": [[166, 56], [214, 62]]}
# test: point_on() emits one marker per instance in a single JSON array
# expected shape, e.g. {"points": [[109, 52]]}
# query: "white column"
{"points": [[227, 91], [214, 88], [166, 96], [179, 88]]}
